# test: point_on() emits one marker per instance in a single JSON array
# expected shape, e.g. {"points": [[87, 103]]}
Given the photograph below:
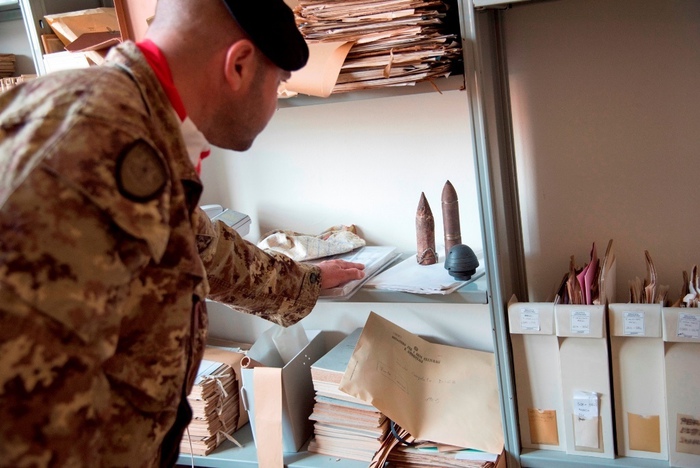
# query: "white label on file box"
{"points": [[529, 320], [688, 326], [580, 322], [633, 324]]}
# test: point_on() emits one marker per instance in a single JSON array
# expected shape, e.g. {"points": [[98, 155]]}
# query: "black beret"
{"points": [[271, 26]]}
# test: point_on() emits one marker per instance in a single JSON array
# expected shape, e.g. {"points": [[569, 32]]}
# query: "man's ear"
{"points": [[239, 66]]}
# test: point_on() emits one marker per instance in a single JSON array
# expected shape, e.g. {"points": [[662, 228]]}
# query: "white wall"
{"points": [[13, 40], [360, 162], [606, 107]]}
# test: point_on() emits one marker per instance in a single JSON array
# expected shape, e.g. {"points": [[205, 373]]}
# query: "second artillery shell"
{"points": [[425, 233], [450, 217]]}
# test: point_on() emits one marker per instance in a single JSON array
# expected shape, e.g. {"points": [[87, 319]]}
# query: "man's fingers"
{"points": [[359, 266]]}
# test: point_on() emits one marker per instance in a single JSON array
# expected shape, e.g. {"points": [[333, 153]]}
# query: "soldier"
{"points": [[105, 259]]}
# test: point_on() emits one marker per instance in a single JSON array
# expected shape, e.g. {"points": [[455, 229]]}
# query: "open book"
{"points": [[375, 259]]}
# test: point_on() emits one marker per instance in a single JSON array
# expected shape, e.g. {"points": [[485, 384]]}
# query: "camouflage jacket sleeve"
{"points": [[249, 279]]}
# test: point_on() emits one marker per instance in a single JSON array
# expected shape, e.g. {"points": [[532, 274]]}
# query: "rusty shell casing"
{"points": [[450, 217], [425, 233]]}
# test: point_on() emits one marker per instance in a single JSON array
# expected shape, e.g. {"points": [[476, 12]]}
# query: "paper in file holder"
{"points": [[585, 379], [637, 358], [537, 375], [681, 334]]}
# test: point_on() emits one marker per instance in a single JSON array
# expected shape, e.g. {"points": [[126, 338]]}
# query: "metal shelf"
{"points": [[554, 459], [226, 454], [450, 83]]}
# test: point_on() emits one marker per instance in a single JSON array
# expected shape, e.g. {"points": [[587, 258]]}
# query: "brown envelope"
{"points": [[644, 432], [436, 392], [543, 426]]}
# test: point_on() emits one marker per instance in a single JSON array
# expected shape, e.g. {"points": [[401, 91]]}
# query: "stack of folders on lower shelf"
{"points": [[214, 400], [347, 427], [344, 426]]}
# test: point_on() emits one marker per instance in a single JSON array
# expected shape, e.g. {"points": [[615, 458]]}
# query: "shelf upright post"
{"points": [[33, 12], [498, 203]]}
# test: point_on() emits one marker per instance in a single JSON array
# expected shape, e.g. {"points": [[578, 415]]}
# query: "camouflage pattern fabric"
{"points": [[105, 261]]}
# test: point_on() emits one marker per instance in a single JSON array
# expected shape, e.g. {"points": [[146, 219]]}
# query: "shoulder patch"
{"points": [[141, 173]]}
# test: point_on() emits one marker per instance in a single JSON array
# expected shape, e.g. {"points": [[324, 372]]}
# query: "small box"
{"points": [[681, 333], [537, 375], [585, 373], [637, 357]]}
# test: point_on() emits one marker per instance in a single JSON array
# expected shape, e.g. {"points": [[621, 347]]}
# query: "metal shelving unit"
{"points": [[492, 129]]}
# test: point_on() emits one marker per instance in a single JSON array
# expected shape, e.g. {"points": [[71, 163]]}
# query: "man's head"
{"points": [[228, 58]]}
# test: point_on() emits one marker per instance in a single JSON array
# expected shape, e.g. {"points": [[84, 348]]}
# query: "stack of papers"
{"points": [[215, 408], [381, 42], [409, 276], [344, 426], [7, 65]]}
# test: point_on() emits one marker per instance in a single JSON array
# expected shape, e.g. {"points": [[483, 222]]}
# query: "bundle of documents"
{"points": [[382, 42], [431, 457], [401, 450], [7, 65], [592, 284], [344, 426], [214, 399], [648, 291], [690, 291]]}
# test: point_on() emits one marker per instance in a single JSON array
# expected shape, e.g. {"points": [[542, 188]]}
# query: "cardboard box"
{"points": [[294, 387], [585, 374], [637, 357], [89, 32], [537, 375], [681, 334]]}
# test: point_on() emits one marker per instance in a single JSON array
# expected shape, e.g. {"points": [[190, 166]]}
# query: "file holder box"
{"points": [[637, 359], [297, 394], [585, 374], [537, 375], [681, 334]]}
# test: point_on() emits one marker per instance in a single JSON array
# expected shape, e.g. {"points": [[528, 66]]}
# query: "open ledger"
{"points": [[374, 258]]}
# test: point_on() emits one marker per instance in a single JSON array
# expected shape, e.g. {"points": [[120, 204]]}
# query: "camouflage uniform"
{"points": [[104, 262]]}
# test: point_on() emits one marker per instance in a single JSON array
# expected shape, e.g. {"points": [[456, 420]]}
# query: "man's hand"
{"points": [[337, 272]]}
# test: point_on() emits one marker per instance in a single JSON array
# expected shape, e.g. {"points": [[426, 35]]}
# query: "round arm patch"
{"points": [[141, 173]]}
